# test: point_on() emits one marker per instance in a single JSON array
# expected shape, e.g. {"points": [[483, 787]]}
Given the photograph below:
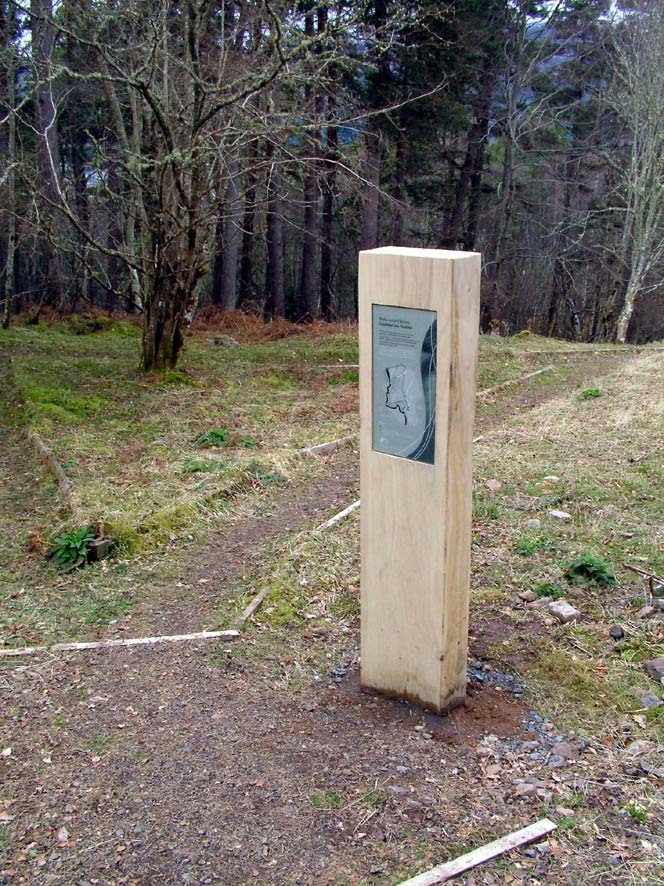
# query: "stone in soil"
{"points": [[646, 612], [655, 668], [651, 701], [559, 515], [616, 633], [564, 611], [565, 750], [540, 603], [525, 789], [527, 596], [533, 524], [639, 747]]}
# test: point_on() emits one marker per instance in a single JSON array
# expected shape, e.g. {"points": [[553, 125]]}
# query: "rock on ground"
{"points": [[564, 611]]}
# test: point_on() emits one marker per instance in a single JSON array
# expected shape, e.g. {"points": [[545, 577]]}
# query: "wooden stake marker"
{"points": [[419, 317]]}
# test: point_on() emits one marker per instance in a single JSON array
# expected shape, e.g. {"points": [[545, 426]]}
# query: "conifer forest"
{"points": [[157, 158]]}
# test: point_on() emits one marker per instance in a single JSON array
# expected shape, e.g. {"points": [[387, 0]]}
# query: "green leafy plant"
{"points": [[265, 478], [590, 394], [587, 568], [71, 547], [248, 443], [548, 589], [200, 466], [637, 811], [528, 546], [214, 437]]}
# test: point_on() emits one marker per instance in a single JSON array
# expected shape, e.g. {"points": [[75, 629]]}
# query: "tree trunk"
{"points": [[468, 187], [372, 185], [231, 240], [626, 311], [400, 188], [246, 292], [224, 287], [48, 158], [327, 232], [307, 307], [329, 148], [274, 274], [218, 264], [8, 209], [308, 301]]}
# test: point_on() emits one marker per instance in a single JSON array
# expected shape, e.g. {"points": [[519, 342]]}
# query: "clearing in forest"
{"points": [[260, 761]]}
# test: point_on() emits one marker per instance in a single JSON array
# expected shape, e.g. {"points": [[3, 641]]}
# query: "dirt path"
{"points": [[203, 764], [190, 599], [207, 575]]}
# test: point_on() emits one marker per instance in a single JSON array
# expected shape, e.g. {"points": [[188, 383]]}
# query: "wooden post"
{"points": [[419, 318]]}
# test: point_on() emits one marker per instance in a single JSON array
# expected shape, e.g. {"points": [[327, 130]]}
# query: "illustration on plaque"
{"points": [[399, 385], [404, 382]]}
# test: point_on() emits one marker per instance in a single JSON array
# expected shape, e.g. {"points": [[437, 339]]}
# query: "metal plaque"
{"points": [[404, 382]]}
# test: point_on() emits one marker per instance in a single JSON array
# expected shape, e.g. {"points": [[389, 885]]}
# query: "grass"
{"points": [[328, 800], [616, 463], [162, 460], [310, 586], [131, 443]]}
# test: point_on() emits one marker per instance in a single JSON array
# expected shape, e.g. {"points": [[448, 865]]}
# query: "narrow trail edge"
{"points": [[130, 641]]}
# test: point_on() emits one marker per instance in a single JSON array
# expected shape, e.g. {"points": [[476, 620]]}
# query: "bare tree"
{"points": [[8, 153], [637, 99], [182, 82]]}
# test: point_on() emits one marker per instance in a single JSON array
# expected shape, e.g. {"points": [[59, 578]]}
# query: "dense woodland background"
{"points": [[157, 157]]}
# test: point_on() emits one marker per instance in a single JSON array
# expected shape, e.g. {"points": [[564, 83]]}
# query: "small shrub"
{"points": [[587, 569], [77, 324], [71, 547], [590, 394], [214, 437]]}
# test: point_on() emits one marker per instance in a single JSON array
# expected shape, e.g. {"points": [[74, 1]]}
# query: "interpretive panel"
{"points": [[404, 382], [418, 333]]}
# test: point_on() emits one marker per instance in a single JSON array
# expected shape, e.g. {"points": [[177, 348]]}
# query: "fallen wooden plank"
{"points": [[252, 607], [109, 644], [470, 860], [644, 573], [65, 485], [514, 381], [338, 517], [325, 447]]}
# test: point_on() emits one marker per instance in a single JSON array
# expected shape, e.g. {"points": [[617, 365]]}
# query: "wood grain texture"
{"points": [[451, 869], [416, 517]]}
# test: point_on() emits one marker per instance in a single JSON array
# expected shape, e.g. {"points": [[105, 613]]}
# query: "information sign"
{"points": [[404, 382]]}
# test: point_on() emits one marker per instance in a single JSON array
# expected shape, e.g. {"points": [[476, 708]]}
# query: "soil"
{"points": [[196, 764]]}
